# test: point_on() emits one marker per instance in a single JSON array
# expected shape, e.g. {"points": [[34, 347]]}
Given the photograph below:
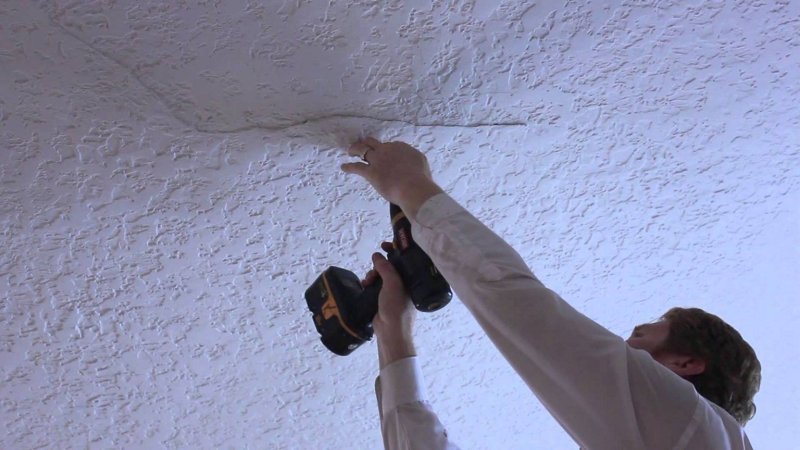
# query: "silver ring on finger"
{"points": [[364, 155]]}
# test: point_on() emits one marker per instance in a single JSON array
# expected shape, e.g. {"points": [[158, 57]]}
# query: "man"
{"points": [[685, 382]]}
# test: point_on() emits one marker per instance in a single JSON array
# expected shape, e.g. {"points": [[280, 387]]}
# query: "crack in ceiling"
{"points": [[297, 123]]}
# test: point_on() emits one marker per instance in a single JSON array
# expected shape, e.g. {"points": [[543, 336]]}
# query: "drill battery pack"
{"points": [[343, 324]]}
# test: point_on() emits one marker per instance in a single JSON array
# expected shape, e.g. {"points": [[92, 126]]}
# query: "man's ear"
{"points": [[686, 366]]}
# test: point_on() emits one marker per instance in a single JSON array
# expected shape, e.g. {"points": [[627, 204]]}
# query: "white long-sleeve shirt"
{"points": [[605, 394]]}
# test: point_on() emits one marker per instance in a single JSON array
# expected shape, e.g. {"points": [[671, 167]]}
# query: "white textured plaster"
{"points": [[169, 187]]}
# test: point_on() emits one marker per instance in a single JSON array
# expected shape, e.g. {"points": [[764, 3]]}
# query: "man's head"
{"points": [[709, 353]]}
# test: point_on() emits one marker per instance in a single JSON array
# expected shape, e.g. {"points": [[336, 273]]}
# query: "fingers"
{"points": [[354, 167], [362, 145], [358, 148], [387, 272], [373, 274], [370, 278]]}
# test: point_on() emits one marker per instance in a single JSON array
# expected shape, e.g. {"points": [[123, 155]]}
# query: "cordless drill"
{"points": [[343, 310]]}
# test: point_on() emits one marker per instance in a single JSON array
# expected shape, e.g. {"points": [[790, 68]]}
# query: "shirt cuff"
{"points": [[401, 382]]}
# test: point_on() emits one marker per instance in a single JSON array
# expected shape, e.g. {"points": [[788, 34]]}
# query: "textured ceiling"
{"points": [[169, 188], [440, 63]]}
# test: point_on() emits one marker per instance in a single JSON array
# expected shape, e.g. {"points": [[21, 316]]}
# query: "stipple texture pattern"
{"points": [[169, 187]]}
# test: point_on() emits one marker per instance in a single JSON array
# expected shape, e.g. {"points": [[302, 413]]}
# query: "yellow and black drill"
{"points": [[343, 310]]}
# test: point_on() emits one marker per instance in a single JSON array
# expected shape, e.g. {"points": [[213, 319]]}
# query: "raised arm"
{"points": [[601, 391]]}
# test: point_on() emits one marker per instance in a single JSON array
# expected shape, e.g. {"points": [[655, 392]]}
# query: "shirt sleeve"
{"points": [[407, 420], [605, 394]]}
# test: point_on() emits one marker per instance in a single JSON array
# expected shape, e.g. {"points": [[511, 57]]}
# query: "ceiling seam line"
{"points": [[198, 129]]}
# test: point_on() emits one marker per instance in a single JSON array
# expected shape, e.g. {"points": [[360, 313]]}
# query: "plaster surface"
{"points": [[169, 187]]}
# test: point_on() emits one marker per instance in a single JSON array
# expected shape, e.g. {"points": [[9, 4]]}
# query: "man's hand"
{"points": [[394, 323], [399, 172]]}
